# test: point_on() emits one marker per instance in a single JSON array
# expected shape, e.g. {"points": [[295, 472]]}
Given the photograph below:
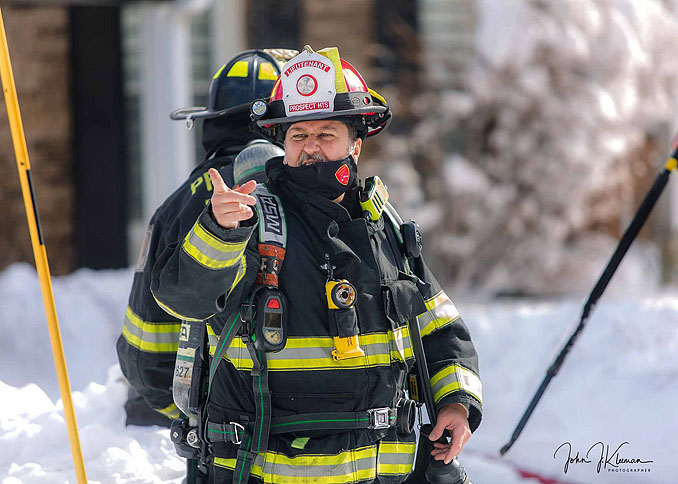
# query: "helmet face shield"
{"points": [[320, 85]]}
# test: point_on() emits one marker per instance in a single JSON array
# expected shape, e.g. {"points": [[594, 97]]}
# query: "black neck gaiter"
{"points": [[328, 179]]}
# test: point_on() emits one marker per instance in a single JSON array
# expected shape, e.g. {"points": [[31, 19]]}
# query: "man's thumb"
{"points": [[436, 432], [247, 188]]}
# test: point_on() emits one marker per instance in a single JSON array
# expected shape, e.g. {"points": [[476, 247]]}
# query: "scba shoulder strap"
{"points": [[272, 235], [267, 305]]}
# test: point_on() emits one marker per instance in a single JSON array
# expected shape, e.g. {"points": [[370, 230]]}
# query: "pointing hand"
{"points": [[231, 206]]}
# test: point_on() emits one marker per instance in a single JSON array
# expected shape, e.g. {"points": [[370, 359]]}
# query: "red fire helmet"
{"points": [[320, 85]]}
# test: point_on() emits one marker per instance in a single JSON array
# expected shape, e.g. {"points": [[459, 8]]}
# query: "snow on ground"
{"points": [[618, 385]]}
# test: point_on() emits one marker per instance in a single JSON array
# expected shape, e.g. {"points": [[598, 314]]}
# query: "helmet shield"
{"points": [[320, 85]]}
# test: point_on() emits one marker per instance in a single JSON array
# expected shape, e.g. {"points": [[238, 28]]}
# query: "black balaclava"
{"points": [[329, 179]]}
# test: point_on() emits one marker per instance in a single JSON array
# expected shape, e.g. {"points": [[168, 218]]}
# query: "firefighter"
{"points": [[307, 299], [148, 345]]}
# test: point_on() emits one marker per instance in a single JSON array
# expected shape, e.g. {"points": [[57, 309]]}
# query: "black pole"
{"points": [[624, 244]]}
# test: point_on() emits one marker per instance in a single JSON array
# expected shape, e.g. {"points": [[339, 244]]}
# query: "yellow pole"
{"points": [[39, 252]]}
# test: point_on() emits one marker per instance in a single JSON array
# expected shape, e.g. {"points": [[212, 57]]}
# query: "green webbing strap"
{"points": [[258, 441], [330, 421], [306, 422], [244, 460], [225, 339]]}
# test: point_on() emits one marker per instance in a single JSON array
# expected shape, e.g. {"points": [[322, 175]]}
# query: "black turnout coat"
{"points": [[208, 276]]}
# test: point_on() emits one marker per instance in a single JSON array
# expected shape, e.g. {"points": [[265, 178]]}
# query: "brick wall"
{"points": [[38, 41]]}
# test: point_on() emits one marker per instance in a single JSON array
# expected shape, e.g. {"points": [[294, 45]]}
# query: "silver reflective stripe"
{"points": [[210, 251], [401, 343], [315, 353], [212, 338], [454, 378], [396, 457], [347, 468], [441, 312], [272, 226], [150, 336], [154, 337]]}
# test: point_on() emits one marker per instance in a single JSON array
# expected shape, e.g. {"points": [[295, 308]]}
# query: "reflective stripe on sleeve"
{"points": [[170, 411], [211, 252], [241, 272], [150, 336], [453, 378], [171, 312], [315, 353], [441, 312]]}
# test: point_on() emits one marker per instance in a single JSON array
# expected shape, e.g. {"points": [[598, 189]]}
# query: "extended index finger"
{"points": [[218, 182]]}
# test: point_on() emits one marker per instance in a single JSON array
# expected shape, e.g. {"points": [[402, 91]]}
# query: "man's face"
{"points": [[309, 142]]}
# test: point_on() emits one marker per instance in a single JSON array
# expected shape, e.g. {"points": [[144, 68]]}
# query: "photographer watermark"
{"points": [[604, 457]]}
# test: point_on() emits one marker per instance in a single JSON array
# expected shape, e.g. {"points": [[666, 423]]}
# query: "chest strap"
{"points": [[375, 418]]}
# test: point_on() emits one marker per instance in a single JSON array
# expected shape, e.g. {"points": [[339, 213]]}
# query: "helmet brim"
{"points": [[316, 116], [201, 112]]}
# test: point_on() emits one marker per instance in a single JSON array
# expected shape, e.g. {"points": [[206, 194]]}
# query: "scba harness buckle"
{"points": [[379, 418], [237, 439]]}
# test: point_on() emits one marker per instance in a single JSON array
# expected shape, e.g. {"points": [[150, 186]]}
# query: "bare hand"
{"points": [[231, 206], [453, 418]]}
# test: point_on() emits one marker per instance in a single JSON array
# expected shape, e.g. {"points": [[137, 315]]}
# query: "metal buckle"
{"points": [[379, 418], [237, 439]]}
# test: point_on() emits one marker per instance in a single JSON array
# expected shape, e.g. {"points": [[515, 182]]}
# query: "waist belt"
{"points": [[375, 418]]}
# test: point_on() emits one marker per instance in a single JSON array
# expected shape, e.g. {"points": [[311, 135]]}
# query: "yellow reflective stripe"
{"points": [[332, 53], [348, 466], [241, 272], [440, 312], [401, 341], [170, 311], [315, 353], [267, 72], [170, 411], [212, 338], [150, 336], [211, 252], [436, 300], [151, 327], [456, 377], [218, 73], [239, 69], [396, 457], [149, 347], [375, 94]]}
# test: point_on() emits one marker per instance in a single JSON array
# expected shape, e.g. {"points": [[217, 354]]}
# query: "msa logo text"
{"points": [[272, 218]]}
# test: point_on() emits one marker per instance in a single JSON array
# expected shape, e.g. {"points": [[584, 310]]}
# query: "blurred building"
{"points": [[97, 80]]}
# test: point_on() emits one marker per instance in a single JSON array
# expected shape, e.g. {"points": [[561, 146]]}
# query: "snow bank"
{"points": [[617, 385]]}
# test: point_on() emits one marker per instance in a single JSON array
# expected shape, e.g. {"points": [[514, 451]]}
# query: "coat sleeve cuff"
{"points": [[240, 234]]}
